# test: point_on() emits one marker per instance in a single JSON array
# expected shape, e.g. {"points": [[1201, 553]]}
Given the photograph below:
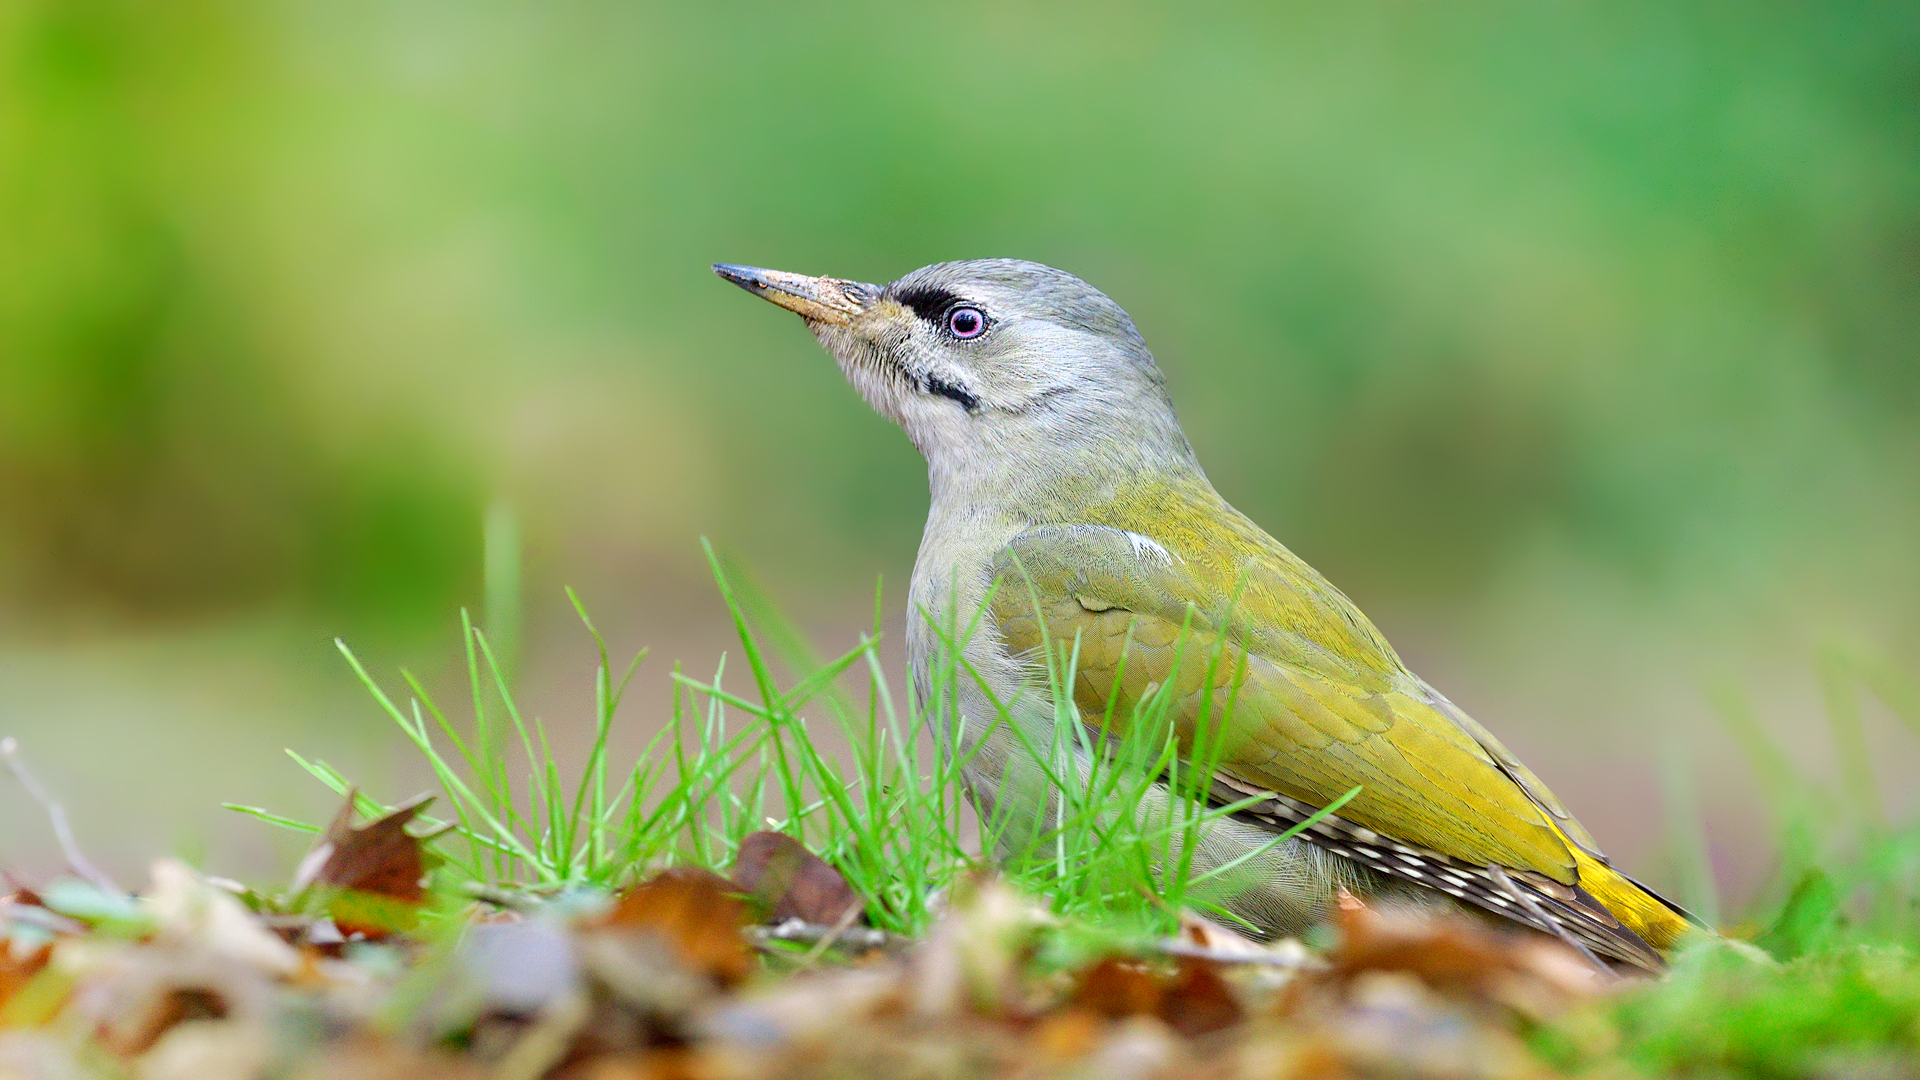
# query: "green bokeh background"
{"points": [[1575, 341]]}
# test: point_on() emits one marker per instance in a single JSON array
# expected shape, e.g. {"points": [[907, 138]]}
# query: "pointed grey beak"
{"points": [[816, 299]]}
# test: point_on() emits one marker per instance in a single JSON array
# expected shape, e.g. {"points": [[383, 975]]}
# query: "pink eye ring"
{"points": [[966, 322]]}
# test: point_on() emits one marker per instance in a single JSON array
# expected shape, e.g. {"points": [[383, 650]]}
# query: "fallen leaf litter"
{"points": [[365, 971]]}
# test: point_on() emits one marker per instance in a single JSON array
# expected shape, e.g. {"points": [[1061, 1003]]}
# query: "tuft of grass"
{"points": [[1846, 876], [1828, 983], [1116, 841], [1115, 845], [1726, 1010]]}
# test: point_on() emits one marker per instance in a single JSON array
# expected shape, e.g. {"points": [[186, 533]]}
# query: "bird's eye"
{"points": [[966, 322]]}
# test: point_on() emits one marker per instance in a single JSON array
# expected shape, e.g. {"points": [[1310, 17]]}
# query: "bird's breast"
{"points": [[950, 581]]}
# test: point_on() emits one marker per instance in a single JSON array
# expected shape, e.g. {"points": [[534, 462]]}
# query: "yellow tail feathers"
{"points": [[1638, 910]]}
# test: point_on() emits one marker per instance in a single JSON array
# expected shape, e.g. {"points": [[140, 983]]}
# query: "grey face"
{"points": [[987, 359]]}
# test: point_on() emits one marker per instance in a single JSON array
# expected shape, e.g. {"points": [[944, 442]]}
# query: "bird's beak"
{"points": [[816, 299]]}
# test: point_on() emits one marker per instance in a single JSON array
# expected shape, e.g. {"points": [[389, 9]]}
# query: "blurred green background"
{"points": [[1575, 341]]}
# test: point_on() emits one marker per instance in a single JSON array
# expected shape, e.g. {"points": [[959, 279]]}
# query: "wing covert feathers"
{"points": [[1320, 705]]}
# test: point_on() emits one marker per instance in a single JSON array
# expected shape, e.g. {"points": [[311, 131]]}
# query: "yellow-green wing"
{"points": [[1320, 703]]}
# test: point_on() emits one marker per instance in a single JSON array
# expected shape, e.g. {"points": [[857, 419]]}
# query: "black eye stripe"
{"points": [[937, 385], [929, 304]]}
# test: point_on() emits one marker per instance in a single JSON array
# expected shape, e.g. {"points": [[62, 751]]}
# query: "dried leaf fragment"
{"points": [[1116, 987], [1194, 1001], [19, 966], [698, 913], [1464, 959], [378, 870], [786, 881], [190, 913]]}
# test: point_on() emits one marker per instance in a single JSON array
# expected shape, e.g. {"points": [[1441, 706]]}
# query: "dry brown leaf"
{"points": [[698, 913], [18, 970], [1194, 1001], [25, 957], [1197, 1001], [786, 881], [19, 965], [378, 869], [1067, 1033], [1117, 987], [1444, 953], [1464, 958], [666, 1064]]}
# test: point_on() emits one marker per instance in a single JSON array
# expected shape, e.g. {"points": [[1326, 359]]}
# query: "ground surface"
{"points": [[372, 965]]}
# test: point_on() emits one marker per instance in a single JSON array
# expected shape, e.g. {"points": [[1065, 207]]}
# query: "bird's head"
{"points": [[991, 364]]}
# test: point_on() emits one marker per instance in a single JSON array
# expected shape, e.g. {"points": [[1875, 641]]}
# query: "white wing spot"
{"points": [[1146, 547]]}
